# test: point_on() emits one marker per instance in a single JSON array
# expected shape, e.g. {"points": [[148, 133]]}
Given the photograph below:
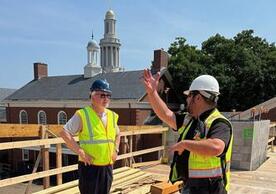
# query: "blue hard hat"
{"points": [[100, 85]]}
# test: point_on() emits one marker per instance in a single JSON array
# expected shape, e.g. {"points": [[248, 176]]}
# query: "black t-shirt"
{"points": [[219, 129]]}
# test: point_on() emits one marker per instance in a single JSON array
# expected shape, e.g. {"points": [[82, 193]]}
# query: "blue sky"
{"points": [[56, 32]]}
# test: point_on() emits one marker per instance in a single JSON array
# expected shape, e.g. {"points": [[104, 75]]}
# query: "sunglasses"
{"points": [[104, 95], [193, 93]]}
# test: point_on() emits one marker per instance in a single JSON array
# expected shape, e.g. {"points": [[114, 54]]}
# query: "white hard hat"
{"points": [[206, 84]]}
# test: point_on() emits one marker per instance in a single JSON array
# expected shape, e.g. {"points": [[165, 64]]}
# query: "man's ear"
{"points": [[198, 97]]}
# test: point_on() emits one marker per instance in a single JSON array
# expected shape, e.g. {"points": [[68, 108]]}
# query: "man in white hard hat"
{"points": [[203, 152]]}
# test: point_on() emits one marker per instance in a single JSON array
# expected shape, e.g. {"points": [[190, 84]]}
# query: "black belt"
{"points": [[203, 182]]}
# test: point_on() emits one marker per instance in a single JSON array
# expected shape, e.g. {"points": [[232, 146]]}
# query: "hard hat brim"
{"points": [[102, 90], [186, 92]]}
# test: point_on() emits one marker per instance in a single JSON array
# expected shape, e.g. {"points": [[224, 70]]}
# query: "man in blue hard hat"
{"points": [[99, 139]]}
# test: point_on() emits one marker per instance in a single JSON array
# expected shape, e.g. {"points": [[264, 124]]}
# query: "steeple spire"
{"points": [[110, 45]]}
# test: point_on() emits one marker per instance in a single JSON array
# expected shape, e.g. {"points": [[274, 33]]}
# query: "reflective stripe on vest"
{"points": [[90, 130], [96, 139], [207, 173], [210, 166]]}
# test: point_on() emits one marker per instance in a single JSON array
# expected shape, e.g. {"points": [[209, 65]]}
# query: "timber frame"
{"points": [[49, 136]]}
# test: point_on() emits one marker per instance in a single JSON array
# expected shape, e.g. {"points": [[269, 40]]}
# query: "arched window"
{"points": [[23, 117], [62, 118], [41, 118]]}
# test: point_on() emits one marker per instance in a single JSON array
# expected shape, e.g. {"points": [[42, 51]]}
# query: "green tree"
{"points": [[245, 67], [185, 63]]}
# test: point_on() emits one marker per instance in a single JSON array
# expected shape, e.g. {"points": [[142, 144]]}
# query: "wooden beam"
{"points": [[156, 130], [72, 184], [19, 130], [59, 188], [125, 184], [165, 188], [30, 143], [23, 178], [137, 153], [142, 164], [126, 173], [32, 130]]}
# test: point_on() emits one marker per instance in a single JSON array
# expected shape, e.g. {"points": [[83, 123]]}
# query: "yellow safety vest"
{"points": [[95, 139], [201, 166]]}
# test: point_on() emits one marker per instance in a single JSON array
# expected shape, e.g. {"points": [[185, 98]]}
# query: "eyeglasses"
{"points": [[193, 93], [104, 95]]}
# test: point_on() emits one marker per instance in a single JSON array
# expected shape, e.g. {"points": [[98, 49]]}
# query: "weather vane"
{"points": [[109, 3]]}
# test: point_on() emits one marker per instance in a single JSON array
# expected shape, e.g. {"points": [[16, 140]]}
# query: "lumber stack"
{"points": [[125, 180]]}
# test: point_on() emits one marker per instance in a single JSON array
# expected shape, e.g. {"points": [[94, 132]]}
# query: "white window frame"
{"points": [[38, 121], [58, 117], [25, 155], [20, 116]]}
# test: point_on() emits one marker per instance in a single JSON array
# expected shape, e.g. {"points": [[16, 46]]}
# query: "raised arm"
{"points": [[158, 105]]}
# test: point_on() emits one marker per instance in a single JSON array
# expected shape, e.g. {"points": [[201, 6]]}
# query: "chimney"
{"points": [[40, 70], [161, 59]]}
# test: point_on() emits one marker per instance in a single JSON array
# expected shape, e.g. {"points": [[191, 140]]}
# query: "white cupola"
{"points": [[92, 68]]}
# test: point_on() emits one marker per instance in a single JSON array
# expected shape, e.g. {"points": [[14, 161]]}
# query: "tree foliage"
{"points": [[244, 65]]}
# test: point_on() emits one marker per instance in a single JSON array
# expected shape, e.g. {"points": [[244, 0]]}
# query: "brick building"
{"points": [[54, 99]]}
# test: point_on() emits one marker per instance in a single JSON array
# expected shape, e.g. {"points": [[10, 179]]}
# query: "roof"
{"points": [[110, 14], [124, 85], [5, 92]]}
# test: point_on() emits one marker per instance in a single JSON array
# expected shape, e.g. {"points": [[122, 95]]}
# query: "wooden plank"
{"points": [[128, 183], [126, 173], [141, 190], [74, 190], [23, 178], [19, 130], [121, 169], [58, 188], [142, 164], [137, 127], [271, 139], [272, 124], [165, 188], [30, 143], [140, 152], [32, 130], [144, 131], [70, 185], [124, 179]]}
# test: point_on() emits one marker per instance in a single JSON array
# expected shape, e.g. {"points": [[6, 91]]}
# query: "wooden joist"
{"points": [[20, 179], [33, 130]]}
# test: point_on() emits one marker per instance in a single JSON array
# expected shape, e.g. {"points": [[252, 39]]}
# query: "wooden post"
{"points": [[273, 135], [125, 143], [29, 186], [165, 152], [130, 150], [59, 162], [45, 158]]}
